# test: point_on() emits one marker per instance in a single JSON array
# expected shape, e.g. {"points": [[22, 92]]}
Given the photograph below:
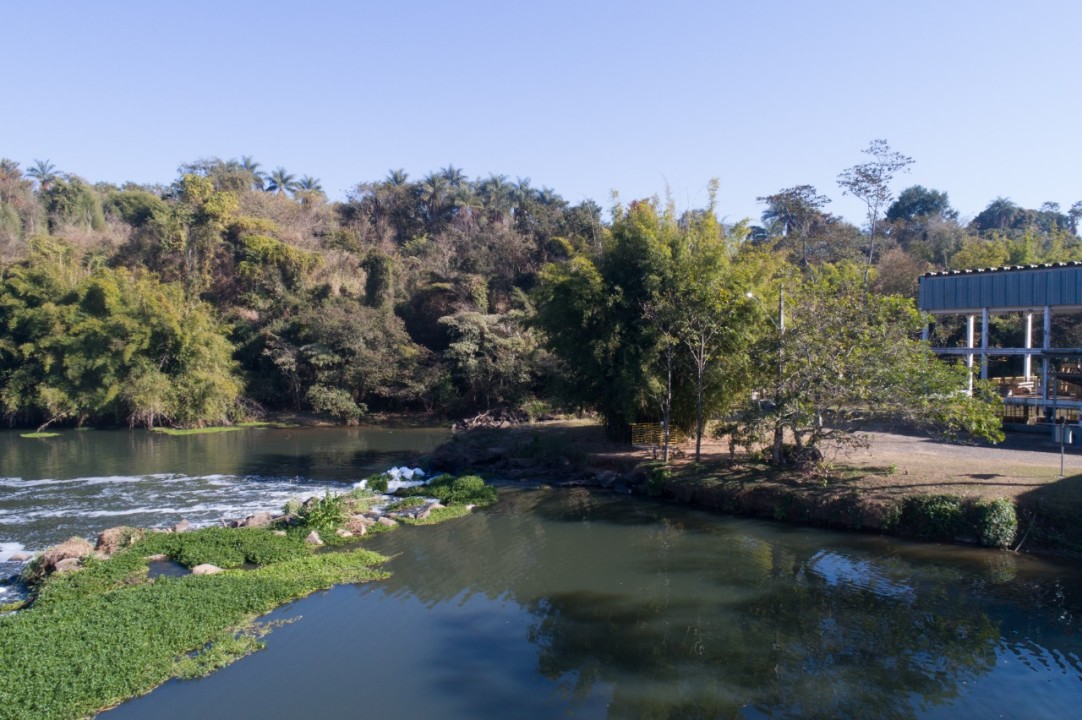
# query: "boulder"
{"points": [[343, 533], [75, 548], [422, 514], [182, 526], [358, 524], [260, 519], [117, 538], [607, 478], [314, 538], [389, 522], [67, 565], [206, 569], [20, 557]]}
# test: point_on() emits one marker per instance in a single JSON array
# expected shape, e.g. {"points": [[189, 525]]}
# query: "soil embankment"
{"points": [[861, 489]]}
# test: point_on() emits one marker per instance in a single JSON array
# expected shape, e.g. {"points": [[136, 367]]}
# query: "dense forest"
{"points": [[232, 291]]}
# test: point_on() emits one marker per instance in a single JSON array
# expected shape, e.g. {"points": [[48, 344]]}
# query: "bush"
{"points": [[658, 474], [932, 517], [466, 490], [325, 513], [995, 522], [377, 482]]}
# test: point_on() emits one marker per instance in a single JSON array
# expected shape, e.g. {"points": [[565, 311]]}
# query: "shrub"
{"points": [[995, 522], [657, 474], [325, 513], [932, 517], [377, 483], [466, 490]]}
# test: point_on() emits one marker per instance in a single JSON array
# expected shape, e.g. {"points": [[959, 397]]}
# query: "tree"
{"points": [[105, 344], [281, 182], [253, 168], [44, 172], [848, 357], [793, 212], [870, 183], [919, 202]]}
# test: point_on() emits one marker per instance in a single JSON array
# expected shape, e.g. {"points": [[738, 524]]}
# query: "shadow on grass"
{"points": [[1049, 515]]}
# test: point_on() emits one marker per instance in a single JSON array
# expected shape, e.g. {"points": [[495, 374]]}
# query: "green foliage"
{"points": [[325, 513], [377, 482], [438, 515], [224, 547], [80, 652], [405, 504], [933, 517], [336, 402], [995, 521], [641, 326], [658, 474], [108, 344], [449, 490]]}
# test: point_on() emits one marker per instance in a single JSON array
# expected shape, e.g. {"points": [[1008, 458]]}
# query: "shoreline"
{"points": [[874, 489]]}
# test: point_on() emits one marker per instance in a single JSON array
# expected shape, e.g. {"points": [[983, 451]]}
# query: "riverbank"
{"points": [[865, 489]]}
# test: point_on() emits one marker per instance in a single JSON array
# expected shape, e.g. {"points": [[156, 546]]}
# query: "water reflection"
{"points": [[687, 616], [566, 603]]}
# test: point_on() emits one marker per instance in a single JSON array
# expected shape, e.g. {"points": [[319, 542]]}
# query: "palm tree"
{"points": [[309, 184], [454, 176], [495, 191], [258, 176], [397, 178], [44, 172], [281, 182]]}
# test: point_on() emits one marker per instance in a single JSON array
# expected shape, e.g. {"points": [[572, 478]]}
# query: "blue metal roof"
{"points": [[1021, 287]]}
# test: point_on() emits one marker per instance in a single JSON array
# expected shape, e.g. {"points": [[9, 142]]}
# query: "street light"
{"points": [[779, 325]]}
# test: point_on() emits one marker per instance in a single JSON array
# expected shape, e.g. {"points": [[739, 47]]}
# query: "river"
{"points": [[558, 603]]}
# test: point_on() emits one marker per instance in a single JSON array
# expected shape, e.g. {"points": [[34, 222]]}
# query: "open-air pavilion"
{"points": [[1049, 388]]}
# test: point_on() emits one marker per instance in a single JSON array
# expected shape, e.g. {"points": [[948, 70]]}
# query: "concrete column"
{"points": [[1027, 361], [1046, 343], [970, 322], [984, 343]]}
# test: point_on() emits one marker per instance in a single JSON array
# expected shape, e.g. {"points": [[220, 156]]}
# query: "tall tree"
{"points": [[44, 172], [794, 211], [870, 182], [281, 182]]}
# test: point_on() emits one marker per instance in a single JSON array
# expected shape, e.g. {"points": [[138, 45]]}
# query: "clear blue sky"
{"points": [[585, 97]]}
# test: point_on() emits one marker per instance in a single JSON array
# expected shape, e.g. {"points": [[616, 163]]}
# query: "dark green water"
{"points": [[562, 604]]}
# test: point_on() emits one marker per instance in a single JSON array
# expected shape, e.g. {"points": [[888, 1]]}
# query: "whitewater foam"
{"points": [[7, 549]]}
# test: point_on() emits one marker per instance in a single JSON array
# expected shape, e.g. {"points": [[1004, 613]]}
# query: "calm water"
{"points": [[566, 604], [562, 604]]}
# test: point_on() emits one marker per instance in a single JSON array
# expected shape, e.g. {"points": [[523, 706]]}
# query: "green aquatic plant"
{"points": [[107, 633], [449, 490]]}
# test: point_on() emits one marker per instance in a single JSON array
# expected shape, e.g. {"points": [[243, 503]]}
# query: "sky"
{"points": [[637, 97]]}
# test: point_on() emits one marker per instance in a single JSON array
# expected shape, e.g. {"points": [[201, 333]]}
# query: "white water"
{"points": [[38, 513]]}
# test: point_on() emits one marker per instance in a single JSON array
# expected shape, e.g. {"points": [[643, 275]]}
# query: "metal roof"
{"points": [[1005, 289]]}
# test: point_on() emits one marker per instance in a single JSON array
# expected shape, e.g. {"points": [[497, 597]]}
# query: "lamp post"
{"points": [[779, 324]]}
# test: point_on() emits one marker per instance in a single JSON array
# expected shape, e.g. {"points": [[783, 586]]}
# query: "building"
{"points": [[1050, 381]]}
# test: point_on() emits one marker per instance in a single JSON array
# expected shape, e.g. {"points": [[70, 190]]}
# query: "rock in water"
{"points": [[206, 569]]}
